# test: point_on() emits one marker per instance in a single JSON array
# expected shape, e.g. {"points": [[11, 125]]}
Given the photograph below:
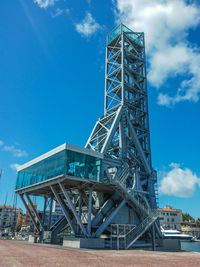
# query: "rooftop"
{"points": [[169, 209]]}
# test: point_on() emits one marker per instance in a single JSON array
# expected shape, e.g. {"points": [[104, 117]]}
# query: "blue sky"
{"points": [[52, 83]]}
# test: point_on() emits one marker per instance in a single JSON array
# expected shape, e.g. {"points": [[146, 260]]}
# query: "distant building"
{"points": [[10, 218], [170, 218], [56, 215], [56, 208], [190, 228]]}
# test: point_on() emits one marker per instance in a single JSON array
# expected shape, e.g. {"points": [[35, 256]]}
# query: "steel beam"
{"points": [[112, 131], [43, 218], [108, 205], [109, 219], [71, 205], [153, 237], [50, 213], [138, 146], [29, 211], [44, 210], [65, 212], [89, 213], [34, 210]]}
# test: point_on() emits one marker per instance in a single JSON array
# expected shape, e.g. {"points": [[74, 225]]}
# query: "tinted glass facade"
{"points": [[66, 162], [121, 28]]}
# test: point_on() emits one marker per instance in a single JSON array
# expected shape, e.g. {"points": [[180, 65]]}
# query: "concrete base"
{"points": [[84, 242], [31, 239], [172, 245]]}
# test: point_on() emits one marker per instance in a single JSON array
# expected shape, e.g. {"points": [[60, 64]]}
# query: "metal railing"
{"points": [[134, 234]]}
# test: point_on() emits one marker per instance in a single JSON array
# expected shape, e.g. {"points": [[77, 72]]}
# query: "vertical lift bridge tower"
{"points": [[108, 187]]}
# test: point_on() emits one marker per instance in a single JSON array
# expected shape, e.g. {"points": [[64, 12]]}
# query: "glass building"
{"points": [[65, 160]]}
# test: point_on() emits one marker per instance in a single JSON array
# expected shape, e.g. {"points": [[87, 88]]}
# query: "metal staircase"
{"points": [[137, 232], [136, 202], [131, 198], [58, 226]]}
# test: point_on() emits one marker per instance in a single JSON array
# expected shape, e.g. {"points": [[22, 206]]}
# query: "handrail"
{"points": [[138, 231]]}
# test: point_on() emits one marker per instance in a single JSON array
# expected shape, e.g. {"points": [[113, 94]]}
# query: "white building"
{"points": [[170, 218]]}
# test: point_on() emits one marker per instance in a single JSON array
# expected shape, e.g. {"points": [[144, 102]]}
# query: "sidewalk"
{"points": [[16, 253]]}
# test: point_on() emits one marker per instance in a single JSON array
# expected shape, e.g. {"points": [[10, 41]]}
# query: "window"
{"points": [[82, 165]]}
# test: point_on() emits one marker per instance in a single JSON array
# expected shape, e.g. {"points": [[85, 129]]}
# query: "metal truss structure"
{"points": [[122, 134], [126, 195]]}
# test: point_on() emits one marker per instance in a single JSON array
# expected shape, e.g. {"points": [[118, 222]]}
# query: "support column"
{"points": [[109, 219], [80, 207], [153, 237], [71, 205], [43, 218], [65, 212], [34, 210], [29, 211], [50, 213], [80, 204], [89, 213], [44, 210]]}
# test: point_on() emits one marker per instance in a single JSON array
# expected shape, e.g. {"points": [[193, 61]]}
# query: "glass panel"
{"points": [[83, 166], [131, 34], [114, 34], [125, 29], [41, 171], [65, 162], [135, 37]]}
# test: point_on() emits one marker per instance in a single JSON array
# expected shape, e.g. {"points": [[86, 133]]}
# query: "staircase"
{"points": [[123, 174], [131, 199], [58, 226], [150, 216], [135, 233]]}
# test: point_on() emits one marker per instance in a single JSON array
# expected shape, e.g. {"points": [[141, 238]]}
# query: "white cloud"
{"points": [[166, 24], [18, 153], [14, 166], [1, 143], [87, 26], [179, 182], [60, 12], [44, 3]]}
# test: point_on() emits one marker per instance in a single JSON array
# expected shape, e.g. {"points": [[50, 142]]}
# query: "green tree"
{"points": [[187, 217], [198, 222]]}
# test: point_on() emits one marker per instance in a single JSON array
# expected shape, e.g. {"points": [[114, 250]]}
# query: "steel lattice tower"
{"points": [[122, 134], [124, 193]]}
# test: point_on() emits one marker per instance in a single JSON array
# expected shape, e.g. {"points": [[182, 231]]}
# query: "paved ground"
{"points": [[15, 253]]}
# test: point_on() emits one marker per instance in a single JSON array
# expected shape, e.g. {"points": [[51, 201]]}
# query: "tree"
{"points": [[198, 222], [187, 217]]}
